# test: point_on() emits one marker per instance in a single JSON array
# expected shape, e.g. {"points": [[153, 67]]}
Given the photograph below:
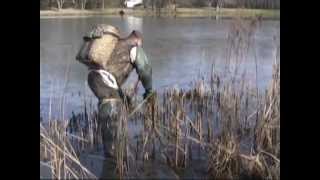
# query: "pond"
{"points": [[180, 50]]}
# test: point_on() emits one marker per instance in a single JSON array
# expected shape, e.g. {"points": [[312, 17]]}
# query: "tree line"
{"points": [[102, 4]]}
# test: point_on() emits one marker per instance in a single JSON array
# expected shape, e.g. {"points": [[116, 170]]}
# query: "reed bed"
{"points": [[224, 128], [57, 153]]}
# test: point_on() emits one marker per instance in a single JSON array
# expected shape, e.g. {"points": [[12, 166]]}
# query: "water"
{"points": [[179, 49]]}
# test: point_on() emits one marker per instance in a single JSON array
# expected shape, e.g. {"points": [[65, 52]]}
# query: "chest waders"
{"points": [[109, 119]]}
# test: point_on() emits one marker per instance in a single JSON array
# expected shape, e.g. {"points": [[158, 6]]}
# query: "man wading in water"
{"points": [[109, 68]]}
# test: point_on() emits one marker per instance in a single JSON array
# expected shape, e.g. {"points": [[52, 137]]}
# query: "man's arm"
{"points": [[143, 68]]}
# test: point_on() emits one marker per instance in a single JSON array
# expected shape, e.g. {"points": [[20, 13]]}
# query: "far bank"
{"points": [[179, 12]]}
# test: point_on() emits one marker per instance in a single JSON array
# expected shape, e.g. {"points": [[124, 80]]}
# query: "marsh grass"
{"points": [[226, 124], [57, 152]]}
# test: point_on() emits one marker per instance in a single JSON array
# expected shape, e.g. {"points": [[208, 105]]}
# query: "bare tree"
{"points": [[74, 3], [144, 4], [83, 4], [152, 4], [171, 4], [60, 3], [122, 3], [218, 5], [50, 3]]}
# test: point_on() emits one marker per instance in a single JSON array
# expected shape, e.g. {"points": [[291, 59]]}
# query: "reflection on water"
{"points": [[155, 170], [179, 50], [134, 23]]}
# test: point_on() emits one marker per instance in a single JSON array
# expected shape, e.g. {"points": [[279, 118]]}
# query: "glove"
{"points": [[147, 93], [144, 71]]}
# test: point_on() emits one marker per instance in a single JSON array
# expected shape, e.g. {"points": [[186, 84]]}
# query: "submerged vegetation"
{"points": [[221, 127]]}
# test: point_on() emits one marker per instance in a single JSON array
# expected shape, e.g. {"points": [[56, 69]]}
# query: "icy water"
{"points": [[180, 50]]}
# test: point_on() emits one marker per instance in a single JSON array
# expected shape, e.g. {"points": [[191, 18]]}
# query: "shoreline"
{"points": [[180, 12]]}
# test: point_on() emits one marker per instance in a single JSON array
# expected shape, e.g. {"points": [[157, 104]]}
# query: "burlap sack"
{"points": [[98, 45]]}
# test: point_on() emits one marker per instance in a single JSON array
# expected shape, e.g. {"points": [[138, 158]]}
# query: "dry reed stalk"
{"points": [[61, 153], [176, 142]]}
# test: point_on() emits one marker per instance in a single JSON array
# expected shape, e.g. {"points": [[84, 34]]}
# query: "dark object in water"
{"points": [[121, 13]]}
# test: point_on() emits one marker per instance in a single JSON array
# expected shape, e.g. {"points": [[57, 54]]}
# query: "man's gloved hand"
{"points": [[144, 70], [147, 93]]}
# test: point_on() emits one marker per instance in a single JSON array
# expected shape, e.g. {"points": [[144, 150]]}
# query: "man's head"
{"points": [[135, 38]]}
